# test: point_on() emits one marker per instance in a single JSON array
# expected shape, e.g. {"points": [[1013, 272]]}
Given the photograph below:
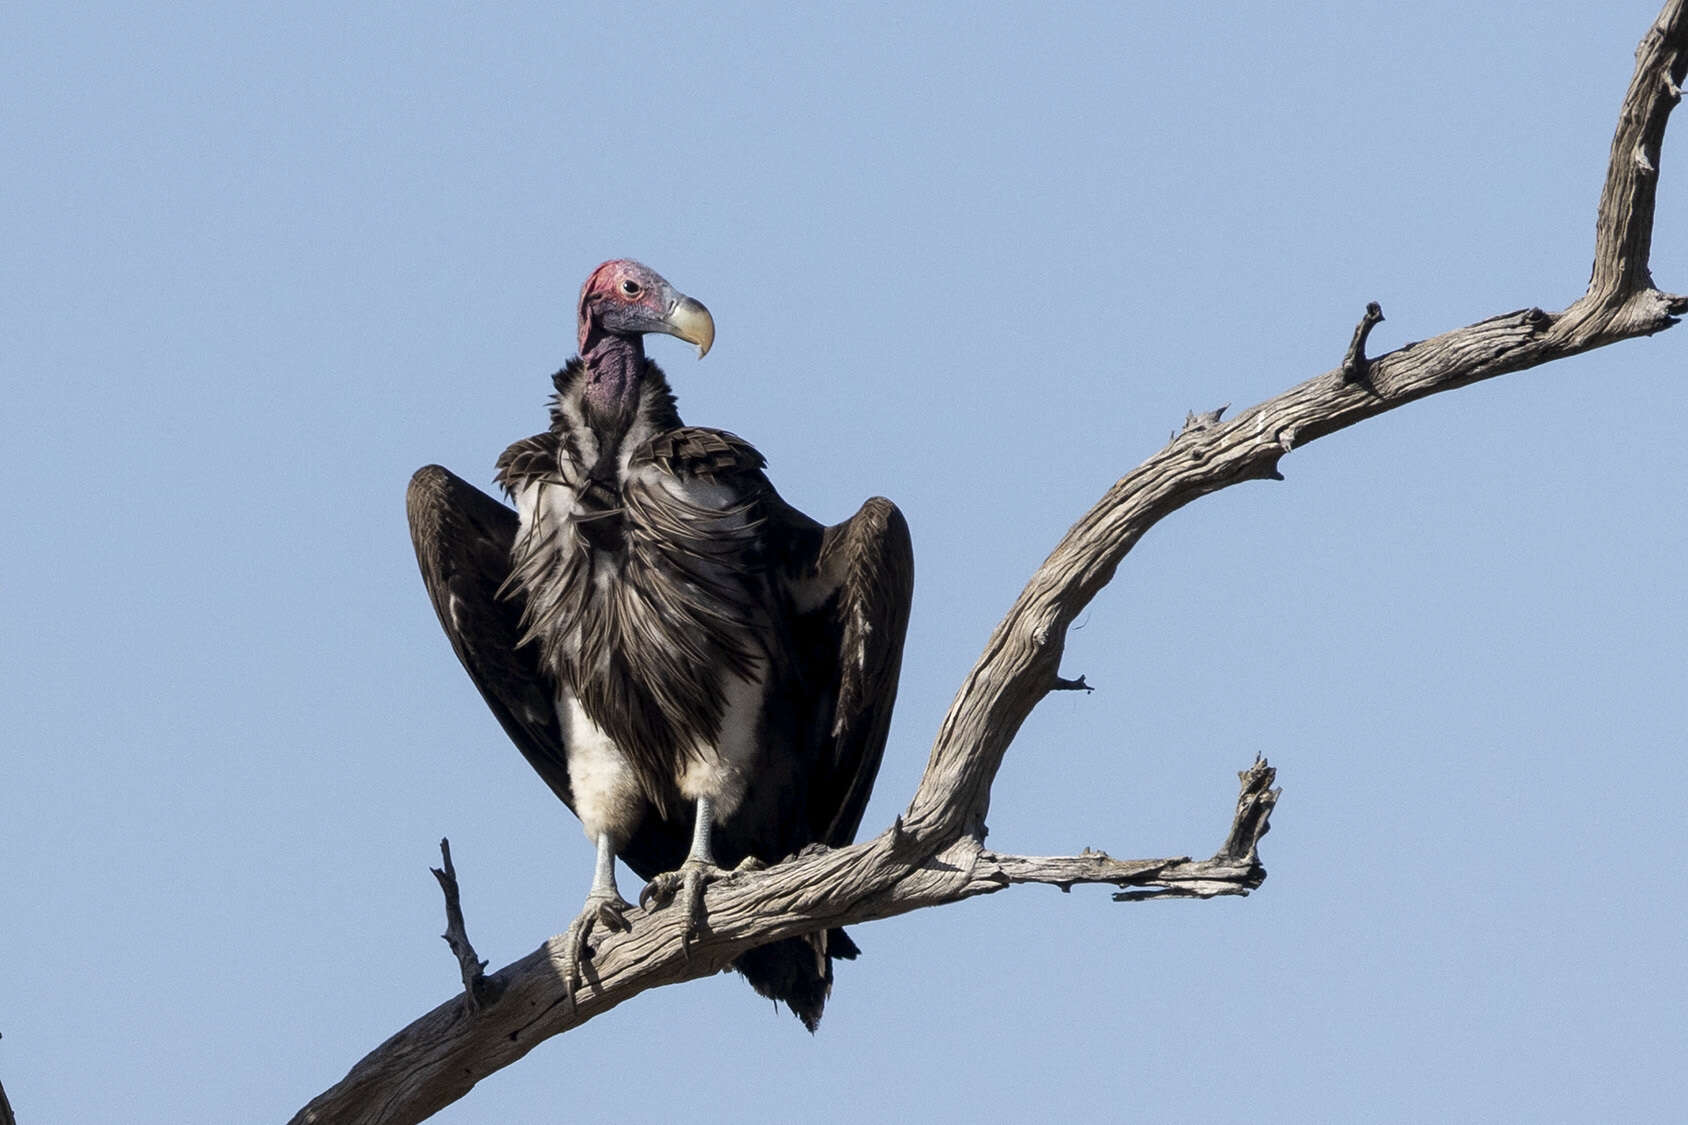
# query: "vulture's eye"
{"points": [[630, 287]]}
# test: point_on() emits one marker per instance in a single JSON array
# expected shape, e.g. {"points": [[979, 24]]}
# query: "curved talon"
{"points": [[688, 883], [660, 890], [606, 910], [612, 912], [691, 899], [574, 941]]}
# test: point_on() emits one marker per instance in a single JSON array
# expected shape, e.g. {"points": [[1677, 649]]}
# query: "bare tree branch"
{"points": [[1624, 226], [478, 991], [934, 853], [441, 1056], [1355, 365], [1025, 650]]}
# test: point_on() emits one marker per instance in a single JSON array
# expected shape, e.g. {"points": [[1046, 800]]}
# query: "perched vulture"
{"points": [[701, 672]]}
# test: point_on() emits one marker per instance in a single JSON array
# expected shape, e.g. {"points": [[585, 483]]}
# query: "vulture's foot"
{"points": [[608, 909], [687, 884], [603, 909]]}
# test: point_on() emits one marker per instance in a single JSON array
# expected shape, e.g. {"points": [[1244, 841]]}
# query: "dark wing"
{"points": [[870, 559], [852, 584], [463, 538]]}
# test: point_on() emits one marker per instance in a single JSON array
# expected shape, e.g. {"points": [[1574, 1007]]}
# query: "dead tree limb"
{"points": [[478, 991], [934, 853], [441, 1056], [1355, 364]]}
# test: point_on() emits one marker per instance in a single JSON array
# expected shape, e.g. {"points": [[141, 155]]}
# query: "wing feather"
{"points": [[871, 558], [463, 538]]}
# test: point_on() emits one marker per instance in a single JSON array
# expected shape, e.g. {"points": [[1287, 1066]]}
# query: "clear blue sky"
{"points": [[261, 263]]}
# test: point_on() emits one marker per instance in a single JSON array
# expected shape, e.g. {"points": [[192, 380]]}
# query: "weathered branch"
{"points": [[441, 1056], [1355, 364], [934, 853], [1624, 226], [1063, 684], [1025, 650], [478, 990]]}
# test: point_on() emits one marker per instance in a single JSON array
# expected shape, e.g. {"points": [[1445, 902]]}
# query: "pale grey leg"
{"points": [[604, 907], [697, 872], [603, 876], [701, 832]]}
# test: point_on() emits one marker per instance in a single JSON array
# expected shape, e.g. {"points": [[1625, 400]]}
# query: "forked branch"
{"points": [[934, 853], [1025, 650]]}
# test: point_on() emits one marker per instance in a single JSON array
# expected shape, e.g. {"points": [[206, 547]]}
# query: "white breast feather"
{"points": [[606, 794], [721, 772]]}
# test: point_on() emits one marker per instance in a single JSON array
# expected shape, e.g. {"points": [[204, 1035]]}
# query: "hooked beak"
{"points": [[691, 322]]}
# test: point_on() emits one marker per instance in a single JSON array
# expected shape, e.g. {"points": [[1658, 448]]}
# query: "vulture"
{"points": [[702, 673]]}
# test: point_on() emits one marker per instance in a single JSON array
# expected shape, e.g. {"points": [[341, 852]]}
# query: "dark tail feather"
{"points": [[798, 971]]}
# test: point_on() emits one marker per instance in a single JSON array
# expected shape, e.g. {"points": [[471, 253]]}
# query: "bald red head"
{"points": [[626, 298]]}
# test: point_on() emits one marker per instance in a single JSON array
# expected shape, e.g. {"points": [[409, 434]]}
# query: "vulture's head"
{"points": [[625, 298]]}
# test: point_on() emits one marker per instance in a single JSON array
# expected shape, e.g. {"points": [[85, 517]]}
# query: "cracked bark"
{"points": [[934, 853]]}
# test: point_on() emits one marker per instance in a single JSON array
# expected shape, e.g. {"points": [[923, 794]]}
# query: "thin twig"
{"points": [[478, 991], [1355, 363], [1063, 684]]}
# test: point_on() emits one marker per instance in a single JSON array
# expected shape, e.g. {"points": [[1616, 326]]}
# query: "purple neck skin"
{"points": [[615, 369]]}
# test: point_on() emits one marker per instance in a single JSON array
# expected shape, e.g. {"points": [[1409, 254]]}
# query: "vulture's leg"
{"points": [[694, 875], [604, 907]]}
